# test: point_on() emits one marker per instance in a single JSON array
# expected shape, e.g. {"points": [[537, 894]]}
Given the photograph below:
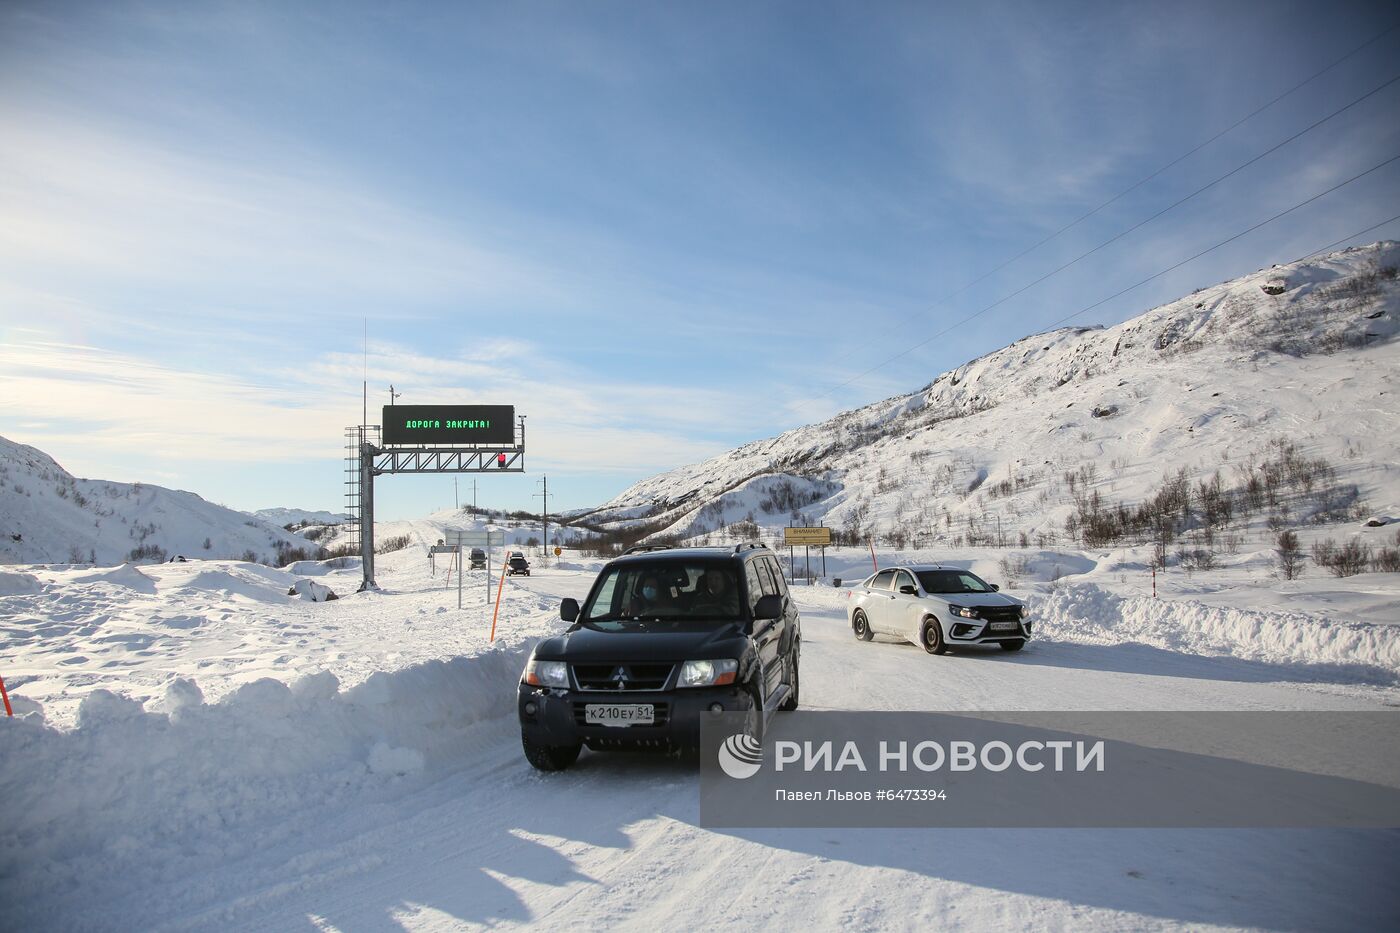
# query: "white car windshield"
{"points": [[952, 581]]}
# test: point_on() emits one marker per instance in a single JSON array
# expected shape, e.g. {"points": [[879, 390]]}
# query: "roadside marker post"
{"points": [[872, 555], [6, 694], [500, 586]]}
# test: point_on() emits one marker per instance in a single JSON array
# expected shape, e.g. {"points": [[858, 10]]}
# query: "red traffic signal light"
{"points": [[501, 461]]}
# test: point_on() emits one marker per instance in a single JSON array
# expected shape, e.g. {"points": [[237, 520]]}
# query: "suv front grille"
{"points": [[616, 678]]}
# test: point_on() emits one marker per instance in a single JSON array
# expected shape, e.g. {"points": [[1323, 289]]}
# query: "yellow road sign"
{"points": [[806, 536]]}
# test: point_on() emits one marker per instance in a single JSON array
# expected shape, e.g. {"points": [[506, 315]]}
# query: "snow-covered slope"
{"points": [[49, 516], [1000, 446], [283, 517]]}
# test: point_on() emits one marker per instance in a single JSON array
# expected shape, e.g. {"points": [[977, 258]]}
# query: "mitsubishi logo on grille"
{"points": [[620, 677]]}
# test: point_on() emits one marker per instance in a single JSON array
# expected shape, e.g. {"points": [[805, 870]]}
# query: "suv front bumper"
{"points": [[555, 716]]}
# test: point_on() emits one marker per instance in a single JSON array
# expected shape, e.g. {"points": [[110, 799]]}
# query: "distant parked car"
{"points": [[517, 564], [936, 608], [478, 559]]}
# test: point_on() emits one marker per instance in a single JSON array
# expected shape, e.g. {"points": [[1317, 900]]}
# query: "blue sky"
{"points": [[658, 229]]}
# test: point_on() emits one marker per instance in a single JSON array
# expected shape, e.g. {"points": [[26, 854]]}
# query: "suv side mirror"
{"points": [[568, 609], [909, 589], [995, 587], [769, 607]]}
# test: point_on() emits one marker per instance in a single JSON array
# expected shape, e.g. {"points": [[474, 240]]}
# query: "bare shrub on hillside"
{"points": [[393, 543], [287, 554], [1345, 560], [1290, 555], [1013, 568], [1386, 560], [147, 552], [1194, 559]]}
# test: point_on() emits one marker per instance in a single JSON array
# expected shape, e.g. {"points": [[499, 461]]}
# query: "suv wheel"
{"points": [[790, 703], [753, 718], [931, 637], [861, 626], [549, 757], [1015, 645]]}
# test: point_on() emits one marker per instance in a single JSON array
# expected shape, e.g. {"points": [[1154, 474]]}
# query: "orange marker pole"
{"points": [[500, 585], [872, 555], [5, 693]]}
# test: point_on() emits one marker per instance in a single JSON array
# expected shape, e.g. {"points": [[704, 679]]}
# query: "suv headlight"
{"points": [[963, 612], [546, 673], [707, 673]]}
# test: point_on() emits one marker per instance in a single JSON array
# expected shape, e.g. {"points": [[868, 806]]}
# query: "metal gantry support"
{"points": [[375, 460], [356, 436]]}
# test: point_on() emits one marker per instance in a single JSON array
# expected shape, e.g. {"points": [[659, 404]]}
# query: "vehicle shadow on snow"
{"points": [[482, 838], [498, 843], [1134, 658], [542, 829], [1270, 879]]}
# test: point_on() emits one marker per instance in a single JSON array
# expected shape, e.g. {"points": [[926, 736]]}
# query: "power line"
{"points": [[1138, 184], [1352, 236], [1300, 204], [1185, 155], [1232, 239], [1029, 285]]}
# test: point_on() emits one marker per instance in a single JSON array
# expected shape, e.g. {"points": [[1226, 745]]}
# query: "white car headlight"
{"points": [[546, 673], [708, 673], [963, 612]]}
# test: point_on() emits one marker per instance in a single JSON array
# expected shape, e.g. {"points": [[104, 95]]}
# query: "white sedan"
{"points": [[936, 607]]}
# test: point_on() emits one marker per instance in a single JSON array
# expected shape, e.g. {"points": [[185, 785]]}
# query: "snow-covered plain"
{"points": [[214, 754]]}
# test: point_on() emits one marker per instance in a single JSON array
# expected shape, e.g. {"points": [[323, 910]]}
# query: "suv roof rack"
{"points": [[641, 548], [749, 545]]}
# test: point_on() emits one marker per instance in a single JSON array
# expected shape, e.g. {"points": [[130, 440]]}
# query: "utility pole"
{"points": [[473, 495], [455, 504], [393, 395], [544, 515]]}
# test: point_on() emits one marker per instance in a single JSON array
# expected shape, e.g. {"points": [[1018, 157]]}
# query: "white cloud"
{"points": [[119, 403], [101, 204]]}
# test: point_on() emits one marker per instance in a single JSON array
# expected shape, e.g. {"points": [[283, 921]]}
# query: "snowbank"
{"points": [[313, 591], [19, 584], [1088, 613], [135, 786]]}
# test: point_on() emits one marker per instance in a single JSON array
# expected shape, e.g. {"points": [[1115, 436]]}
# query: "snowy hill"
{"points": [[284, 517], [1286, 376], [49, 516]]}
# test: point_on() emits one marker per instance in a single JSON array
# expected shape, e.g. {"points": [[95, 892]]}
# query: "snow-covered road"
{"points": [[476, 837]]}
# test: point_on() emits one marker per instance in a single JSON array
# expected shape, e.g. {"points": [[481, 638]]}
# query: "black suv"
{"points": [[665, 636], [517, 563]]}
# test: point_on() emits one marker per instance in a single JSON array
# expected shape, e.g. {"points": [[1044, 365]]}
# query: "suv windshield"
{"points": [[669, 590], [952, 581]]}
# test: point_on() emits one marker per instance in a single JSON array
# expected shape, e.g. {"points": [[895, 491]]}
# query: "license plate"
{"points": [[1003, 626], [615, 714]]}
